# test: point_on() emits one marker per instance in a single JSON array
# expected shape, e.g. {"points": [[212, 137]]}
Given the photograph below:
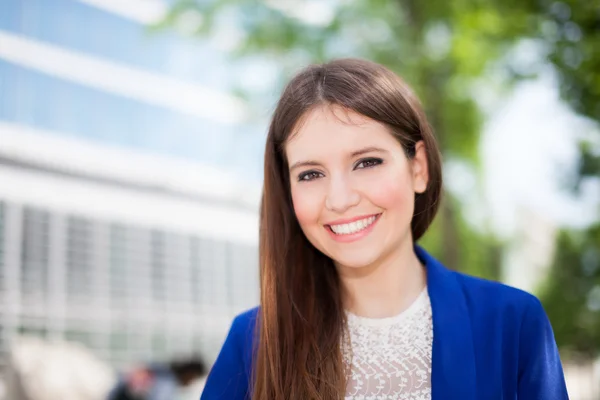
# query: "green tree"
{"points": [[570, 33], [571, 295], [446, 50], [441, 48]]}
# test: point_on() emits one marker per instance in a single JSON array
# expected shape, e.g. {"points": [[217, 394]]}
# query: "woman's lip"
{"points": [[352, 237], [349, 220]]}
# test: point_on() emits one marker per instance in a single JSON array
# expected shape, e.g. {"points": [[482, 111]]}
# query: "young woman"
{"points": [[350, 306]]}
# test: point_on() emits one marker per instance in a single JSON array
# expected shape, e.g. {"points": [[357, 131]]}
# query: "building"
{"points": [[111, 232], [114, 250]]}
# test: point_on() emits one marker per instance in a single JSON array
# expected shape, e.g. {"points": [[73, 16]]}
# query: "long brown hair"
{"points": [[301, 319]]}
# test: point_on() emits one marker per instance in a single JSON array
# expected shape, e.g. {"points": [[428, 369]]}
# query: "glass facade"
{"points": [[40, 97], [80, 27], [128, 292]]}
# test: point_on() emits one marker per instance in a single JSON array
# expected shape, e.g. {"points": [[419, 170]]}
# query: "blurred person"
{"points": [[190, 375], [177, 380], [351, 307]]}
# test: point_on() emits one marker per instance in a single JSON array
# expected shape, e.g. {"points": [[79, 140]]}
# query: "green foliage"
{"points": [[571, 295], [570, 31], [589, 166], [572, 37], [443, 48], [432, 44], [473, 252], [439, 47]]}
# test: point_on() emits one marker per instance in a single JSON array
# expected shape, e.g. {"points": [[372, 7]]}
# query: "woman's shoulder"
{"points": [[492, 296], [243, 329], [240, 339], [230, 374], [245, 320], [515, 319], [483, 298]]}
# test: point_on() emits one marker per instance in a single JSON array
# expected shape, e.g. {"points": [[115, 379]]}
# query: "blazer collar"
{"points": [[453, 359]]}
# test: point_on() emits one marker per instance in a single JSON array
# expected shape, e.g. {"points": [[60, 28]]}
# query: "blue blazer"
{"points": [[490, 341]]}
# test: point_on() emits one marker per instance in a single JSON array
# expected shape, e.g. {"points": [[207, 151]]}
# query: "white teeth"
{"points": [[353, 227]]}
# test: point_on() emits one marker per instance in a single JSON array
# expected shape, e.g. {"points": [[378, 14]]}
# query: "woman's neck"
{"points": [[385, 288]]}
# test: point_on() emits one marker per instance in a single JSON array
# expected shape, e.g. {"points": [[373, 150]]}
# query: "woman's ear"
{"points": [[420, 172]]}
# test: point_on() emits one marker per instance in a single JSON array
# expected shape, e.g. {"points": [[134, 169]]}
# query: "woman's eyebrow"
{"points": [[367, 150], [308, 163], [356, 153]]}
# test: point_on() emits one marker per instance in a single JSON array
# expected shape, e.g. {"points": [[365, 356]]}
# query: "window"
{"points": [[158, 264], [154, 277], [34, 257], [2, 251], [195, 271], [78, 335], [159, 344], [118, 344], [118, 265], [79, 259]]}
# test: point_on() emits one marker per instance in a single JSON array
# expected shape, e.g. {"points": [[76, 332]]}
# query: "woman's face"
{"points": [[352, 186]]}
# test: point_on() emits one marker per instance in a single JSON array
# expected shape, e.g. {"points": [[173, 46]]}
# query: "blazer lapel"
{"points": [[453, 373]]}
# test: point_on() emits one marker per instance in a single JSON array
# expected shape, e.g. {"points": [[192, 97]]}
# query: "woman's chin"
{"points": [[354, 262]]}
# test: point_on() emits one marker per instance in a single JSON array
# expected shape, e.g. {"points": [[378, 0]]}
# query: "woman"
{"points": [[350, 306]]}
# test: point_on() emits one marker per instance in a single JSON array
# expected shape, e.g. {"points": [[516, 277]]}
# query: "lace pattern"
{"points": [[390, 358]]}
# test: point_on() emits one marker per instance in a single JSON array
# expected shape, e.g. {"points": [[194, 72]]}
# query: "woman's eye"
{"points": [[368, 163], [309, 176]]}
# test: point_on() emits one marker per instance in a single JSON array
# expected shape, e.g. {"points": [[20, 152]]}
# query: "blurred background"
{"points": [[131, 144]]}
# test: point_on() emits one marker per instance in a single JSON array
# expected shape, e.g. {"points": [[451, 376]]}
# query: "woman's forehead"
{"points": [[331, 130], [332, 114]]}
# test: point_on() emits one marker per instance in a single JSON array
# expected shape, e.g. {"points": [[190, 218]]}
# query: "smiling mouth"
{"points": [[354, 226]]}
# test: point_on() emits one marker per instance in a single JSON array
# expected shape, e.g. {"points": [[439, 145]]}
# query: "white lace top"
{"points": [[390, 358]]}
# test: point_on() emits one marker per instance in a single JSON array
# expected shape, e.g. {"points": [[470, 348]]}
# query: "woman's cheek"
{"points": [[306, 206], [390, 192]]}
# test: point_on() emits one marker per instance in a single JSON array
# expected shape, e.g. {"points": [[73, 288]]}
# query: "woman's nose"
{"points": [[341, 196]]}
